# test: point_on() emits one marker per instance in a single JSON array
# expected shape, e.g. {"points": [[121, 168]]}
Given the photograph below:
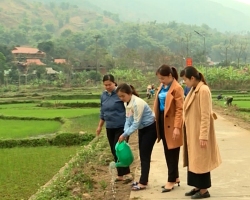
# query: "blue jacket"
{"points": [[112, 110]]}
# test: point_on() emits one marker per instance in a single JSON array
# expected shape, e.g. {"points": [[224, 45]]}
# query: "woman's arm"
{"points": [[99, 128], [138, 108], [179, 99], [205, 106], [101, 122]]}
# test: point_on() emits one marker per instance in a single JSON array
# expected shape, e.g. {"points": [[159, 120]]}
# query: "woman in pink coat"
{"points": [[200, 149]]}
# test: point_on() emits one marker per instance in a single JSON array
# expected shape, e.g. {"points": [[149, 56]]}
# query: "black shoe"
{"points": [[167, 190], [178, 183], [198, 195], [192, 192]]}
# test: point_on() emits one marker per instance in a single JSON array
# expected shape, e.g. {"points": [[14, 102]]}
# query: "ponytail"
{"points": [[188, 72], [134, 92], [202, 78], [128, 89], [174, 73], [165, 70]]}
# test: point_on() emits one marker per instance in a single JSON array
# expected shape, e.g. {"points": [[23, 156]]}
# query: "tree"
{"points": [[66, 33], [50, 27], [47, 47], [3, 66]]}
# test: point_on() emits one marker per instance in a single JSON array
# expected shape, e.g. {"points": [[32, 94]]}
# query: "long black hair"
{"points": [[128, 89], [192, 71], [166, 70]]}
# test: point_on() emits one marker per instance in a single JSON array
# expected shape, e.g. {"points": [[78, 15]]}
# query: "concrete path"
{"points": [[230, 181]]}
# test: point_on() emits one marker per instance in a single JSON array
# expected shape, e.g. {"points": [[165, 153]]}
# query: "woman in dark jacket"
{"points": [[113, 113]]}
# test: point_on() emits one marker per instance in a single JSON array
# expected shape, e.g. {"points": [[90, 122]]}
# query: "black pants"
{"points": [[171, 155], [201, 181], [147, 138], [113, 135]]}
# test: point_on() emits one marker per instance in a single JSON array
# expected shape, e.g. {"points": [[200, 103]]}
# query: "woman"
{"points": [[201, 153], [168, 108], [138, 116], [113, 113]]}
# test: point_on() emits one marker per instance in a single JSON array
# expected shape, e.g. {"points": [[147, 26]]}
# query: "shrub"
{"points": [[63, 139], [69, 139]]}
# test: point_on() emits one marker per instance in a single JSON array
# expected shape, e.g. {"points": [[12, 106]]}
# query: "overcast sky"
{"points": [[245, 1]]}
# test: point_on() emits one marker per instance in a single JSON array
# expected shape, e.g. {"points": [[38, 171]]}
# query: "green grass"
{"points": [[15, 129], [86, 123], [24, 170], [240, 104], [18, 106], [74, 101], [48, 113]]}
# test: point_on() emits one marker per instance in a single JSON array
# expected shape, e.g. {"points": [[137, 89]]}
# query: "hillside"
{"points": [[52, 17], [224, 15]]}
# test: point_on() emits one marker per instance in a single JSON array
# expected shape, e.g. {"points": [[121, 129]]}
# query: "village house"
{"points": [[34, 62], [23, 53], [60, 61], [26, 56]]}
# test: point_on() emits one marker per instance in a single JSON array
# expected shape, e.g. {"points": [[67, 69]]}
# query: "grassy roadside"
{"points": [[239, 118]]}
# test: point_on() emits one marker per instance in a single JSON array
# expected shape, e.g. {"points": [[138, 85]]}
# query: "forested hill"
{"points": [[224, 15], [57, 16], [51, 17], [75, 31]]}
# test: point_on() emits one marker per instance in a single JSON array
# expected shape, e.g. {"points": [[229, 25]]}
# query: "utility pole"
{"points": [[188, 36], [96, 39], [204, 53]]}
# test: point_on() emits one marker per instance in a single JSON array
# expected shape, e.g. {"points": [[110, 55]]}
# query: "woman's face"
{"points": [[109, 85], [189, 82], [124, 96], [165, 80]]}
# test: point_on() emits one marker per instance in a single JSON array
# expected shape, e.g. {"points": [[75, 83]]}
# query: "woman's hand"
{"points": [[98, 130], [121, 138], [203, 143], [176, 133]]}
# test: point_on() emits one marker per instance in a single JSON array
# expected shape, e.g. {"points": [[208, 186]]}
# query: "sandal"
{"points": [[137, 188], [118, 179], [134, 183], [126, 179]]}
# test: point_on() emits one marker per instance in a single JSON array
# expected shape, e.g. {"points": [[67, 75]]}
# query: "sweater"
{"points": [[138, 115]]}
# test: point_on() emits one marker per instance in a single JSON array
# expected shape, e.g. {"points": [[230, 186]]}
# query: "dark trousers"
{"points": [[113, 135], [147, 138], [201, 181], [171, 155]]}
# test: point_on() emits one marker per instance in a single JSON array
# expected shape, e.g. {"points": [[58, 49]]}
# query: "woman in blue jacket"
{"points": [[113, 113]]}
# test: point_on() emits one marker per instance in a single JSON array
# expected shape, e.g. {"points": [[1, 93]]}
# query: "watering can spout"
{"points": [[124, 154]]}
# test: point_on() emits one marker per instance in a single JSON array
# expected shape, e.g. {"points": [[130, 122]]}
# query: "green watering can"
{"points": [[124, 154]]}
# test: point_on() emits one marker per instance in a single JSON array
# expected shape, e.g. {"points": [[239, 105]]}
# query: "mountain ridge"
{"points": [[222, 15]]}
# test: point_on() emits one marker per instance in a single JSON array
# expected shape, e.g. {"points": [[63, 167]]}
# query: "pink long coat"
{"points": [[199, 121]]}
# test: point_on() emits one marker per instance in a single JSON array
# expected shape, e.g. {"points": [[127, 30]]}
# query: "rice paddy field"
{"points": [[25, 169], [241, 103]]}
